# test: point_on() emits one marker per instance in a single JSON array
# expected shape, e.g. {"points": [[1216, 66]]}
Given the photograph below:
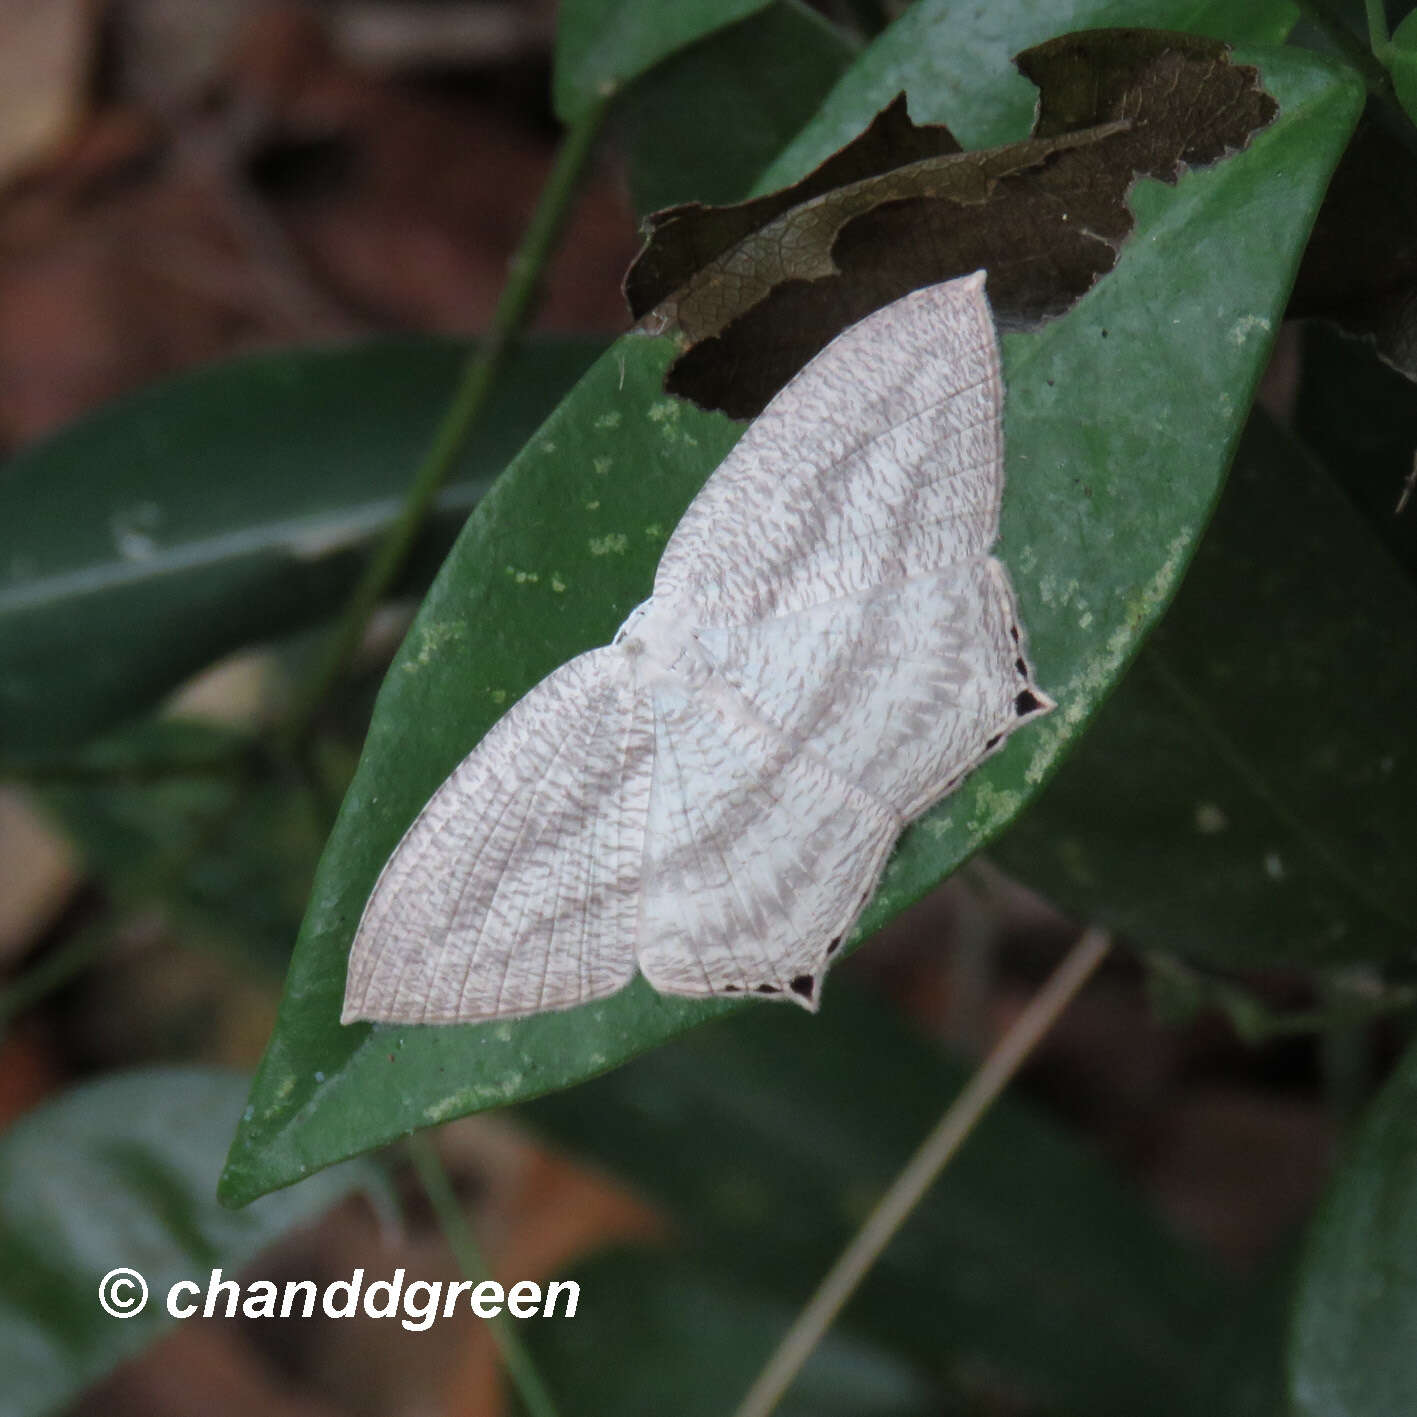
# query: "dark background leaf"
{"points": [[226, 506], [122, 1173], [1403, 63], [1360, 269], [182, 812], [1243, 1374], [766, 1139], [603, 44], [651, 1323], [1360, 418], [1247, 794], [1351, 1352], [701, 125]]}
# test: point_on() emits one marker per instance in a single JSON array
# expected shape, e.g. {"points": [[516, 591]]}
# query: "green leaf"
{"points": [[959, 70], [1120, 422], [768, 1137], [121, 1173], [702, 125], [651, 1323], [602, 44], [1402, 63], [1249, 794], [1350, 1349], [222, 507], [229, 850], [1243, 1374]]}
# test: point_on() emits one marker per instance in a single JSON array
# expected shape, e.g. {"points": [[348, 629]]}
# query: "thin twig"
{"points": [[212, 153], [57, 968], [1408, 484], [1371, 67], [474, 385], [921, 1171], [453, 1223], [238, 760], [1254, 1022], [1329, 18]]}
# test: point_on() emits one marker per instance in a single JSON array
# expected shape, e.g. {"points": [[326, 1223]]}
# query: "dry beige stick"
{"points": [[921, 1171], [1408, 484]]}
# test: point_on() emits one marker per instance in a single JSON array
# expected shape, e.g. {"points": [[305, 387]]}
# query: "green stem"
{"points": [[474, 384], [62, 964], [1326, 15], [1378, 37], [1345, 1055], [233, 760], [1345, 1006], [458, 1233]]}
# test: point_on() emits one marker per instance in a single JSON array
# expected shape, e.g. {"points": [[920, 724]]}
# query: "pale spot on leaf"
{"points": [[1247, 327], [135, 531], [435, 637]]}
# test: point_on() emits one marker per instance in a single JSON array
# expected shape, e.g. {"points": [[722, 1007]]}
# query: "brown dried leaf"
{"points": [[684, 240], [755, 290]]}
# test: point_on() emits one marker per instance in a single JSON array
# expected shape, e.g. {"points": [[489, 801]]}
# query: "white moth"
{"points": [[712, 797]]}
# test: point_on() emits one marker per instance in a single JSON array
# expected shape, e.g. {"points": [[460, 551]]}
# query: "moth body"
{"points": [[710, 799]]}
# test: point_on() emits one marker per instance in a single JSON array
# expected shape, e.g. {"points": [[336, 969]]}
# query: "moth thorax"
{"points": [[659, 641]]}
